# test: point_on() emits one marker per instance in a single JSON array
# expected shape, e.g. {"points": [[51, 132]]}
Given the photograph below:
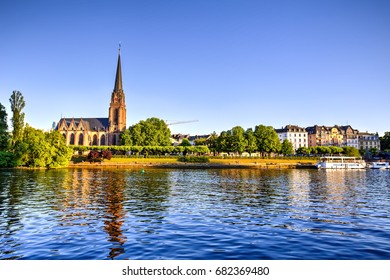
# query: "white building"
{"points": [[295, 134]]}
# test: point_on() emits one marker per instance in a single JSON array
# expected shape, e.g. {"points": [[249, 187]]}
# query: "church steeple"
{"points": [[117, 111], [118, 77]]}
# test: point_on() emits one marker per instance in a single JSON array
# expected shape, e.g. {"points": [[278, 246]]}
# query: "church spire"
{"points": [[118, 78]]}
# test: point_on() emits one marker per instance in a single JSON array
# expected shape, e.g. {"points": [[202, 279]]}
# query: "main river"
{"points": [[194, 214]]}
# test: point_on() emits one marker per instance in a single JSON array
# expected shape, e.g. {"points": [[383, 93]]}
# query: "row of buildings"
{"points": [[317, 135], [321, 135]]}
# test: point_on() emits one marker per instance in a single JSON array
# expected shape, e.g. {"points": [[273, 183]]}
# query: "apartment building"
{"points": [[295, 134]]}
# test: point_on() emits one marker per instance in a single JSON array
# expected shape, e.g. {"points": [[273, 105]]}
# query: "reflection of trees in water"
{"points": [[251, 186], [82, 199], [12, 192]]}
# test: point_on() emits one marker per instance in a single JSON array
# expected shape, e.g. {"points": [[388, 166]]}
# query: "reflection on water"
{"points": [[194, 214]]}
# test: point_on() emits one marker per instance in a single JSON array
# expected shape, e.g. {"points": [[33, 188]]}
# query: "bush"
{"points": [[194, 159]]}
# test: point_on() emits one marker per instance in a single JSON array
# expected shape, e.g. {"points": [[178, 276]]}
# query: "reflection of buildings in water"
{"points": [[335, 185], [338, 190], [86, 193], [299, 187], [340, 184], [115, 214]]}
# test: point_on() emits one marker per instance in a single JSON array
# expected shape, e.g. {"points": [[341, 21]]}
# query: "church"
{"points": [[98, 131]]}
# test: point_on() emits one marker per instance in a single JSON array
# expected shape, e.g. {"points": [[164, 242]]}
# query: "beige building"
{"points": [[341, 136], [98, 131]]}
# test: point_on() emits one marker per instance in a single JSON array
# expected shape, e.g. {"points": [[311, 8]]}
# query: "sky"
{"points": [[223, 63]]}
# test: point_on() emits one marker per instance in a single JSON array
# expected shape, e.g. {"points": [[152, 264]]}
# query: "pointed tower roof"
{"points": [[118, 77]]}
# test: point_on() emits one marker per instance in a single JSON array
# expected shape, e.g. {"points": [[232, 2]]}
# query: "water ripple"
{"points": [[194, 214]]}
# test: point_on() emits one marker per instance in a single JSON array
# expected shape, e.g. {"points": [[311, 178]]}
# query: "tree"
{"points": [[237, 141], [125, 138], [223, 142], [335, 150], [17, 105], [287, 147], [303, 150], [185, 143], [42, 149], [200, 141], [62, 154], [4, 135], [212, 143], [385, 141], [267, 139], [151, 132], [251, 145], [351, 151]]}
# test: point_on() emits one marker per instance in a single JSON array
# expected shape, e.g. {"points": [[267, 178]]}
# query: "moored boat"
{"points": [[379, 165], [341, 162]]}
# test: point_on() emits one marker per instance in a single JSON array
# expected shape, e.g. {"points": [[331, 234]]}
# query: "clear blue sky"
{"points": [[224, 63]]}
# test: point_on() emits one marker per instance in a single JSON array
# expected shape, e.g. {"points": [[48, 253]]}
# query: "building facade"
{"points": [[341, 136], [369, 141], [295, 134], [98, 131]]}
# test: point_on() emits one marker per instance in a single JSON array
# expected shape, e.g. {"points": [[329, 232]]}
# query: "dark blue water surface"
{"points": [[194, 214]]}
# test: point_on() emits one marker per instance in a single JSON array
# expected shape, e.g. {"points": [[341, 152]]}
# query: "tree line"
{"points": [[152, 136], [27, 146]]}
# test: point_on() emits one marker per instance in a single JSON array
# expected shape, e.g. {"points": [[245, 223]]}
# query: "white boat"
{"points": [[379, 165], [340, 162]]}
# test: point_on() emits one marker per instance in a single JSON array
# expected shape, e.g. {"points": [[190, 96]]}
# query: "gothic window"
{"points": [[103, 140], [81, 139], [95, 140], [71, 139], [114, 140], [116, 116]]}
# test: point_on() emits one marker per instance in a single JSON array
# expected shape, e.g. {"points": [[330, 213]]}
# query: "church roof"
{"points": [[91, 124]]}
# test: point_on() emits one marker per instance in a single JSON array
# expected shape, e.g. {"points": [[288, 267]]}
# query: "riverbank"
{"points": [[214, 163]]}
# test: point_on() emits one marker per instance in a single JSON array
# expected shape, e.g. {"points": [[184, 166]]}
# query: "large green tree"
{"points": [[4, 135], [237, 140], [151, 132], [17, 105], [267, 139], [42, 149]]}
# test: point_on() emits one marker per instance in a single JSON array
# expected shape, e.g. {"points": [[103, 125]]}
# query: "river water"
{"points": [[194, 214]]}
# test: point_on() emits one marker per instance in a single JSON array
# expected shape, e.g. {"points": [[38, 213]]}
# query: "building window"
{"points": [[95, 140], [71, 139], [81, 139], [116, 116]]}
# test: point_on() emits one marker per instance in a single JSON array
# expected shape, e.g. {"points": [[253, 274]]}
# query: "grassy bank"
{"points": [[213, 162]]}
